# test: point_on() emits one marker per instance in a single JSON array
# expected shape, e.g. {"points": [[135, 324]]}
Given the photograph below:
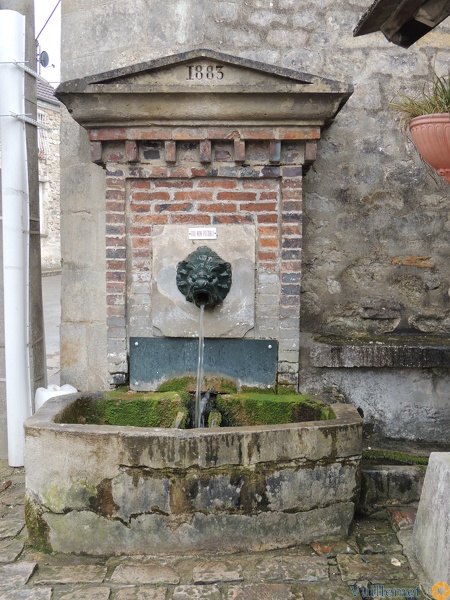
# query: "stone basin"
{"points": [[110, 490]]}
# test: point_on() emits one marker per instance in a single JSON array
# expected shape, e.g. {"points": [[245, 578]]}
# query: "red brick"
{"points": [[181, 207], [151, 196], [310, 152], [115, 194], [239, 151], [257, 134], [114, 182], [237, 196], [115, 299], [217, 183], [301, 133], [108, 133], [292, 194], [174, 184], [115, 217], [268, 231], [220, 133], [141, 197], [268, 196], [266, 255], [170, 151], [140, 230], [131, 151], [267, 218], [140, 184], [194, 195], [291, 266], [275, 152], [259, 206], [191, 219], [115, 156], [291, 229], [222, 207], [151, 219], [140, 207], [140, 242], [179, 173], [292, 205], [291, 183], [205, 151], [116, 265], [224, 219], [197, 172], [149, 133], [268, 242], [189, 133]]}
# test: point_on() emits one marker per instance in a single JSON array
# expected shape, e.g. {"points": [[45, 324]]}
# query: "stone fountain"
{"points": [[204, 156]]}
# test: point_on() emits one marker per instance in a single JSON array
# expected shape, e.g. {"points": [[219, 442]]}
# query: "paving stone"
{"points": [[374, 568], [373, 526], [194, 592], [293, 568], [376, 544], [211, 572], [263, 591], [16, 574], [141, 593], [88, 593], [49, 575], [145, 573], [11, 526], [332, 548], [402, 518], [28, 594], [10, 549]]}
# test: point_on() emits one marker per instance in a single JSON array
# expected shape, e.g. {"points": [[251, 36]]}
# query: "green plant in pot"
{"points": [[427, 115]]}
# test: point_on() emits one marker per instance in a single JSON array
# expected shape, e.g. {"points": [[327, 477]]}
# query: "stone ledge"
{"points": [[396, 351]]}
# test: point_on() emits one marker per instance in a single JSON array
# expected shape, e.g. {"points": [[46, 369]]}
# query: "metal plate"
{"points": [[155, 360]]}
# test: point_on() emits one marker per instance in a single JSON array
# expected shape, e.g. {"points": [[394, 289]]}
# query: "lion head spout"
{"points": [[204, 278]]}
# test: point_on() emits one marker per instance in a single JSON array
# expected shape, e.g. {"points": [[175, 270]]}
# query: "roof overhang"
{"points": [[403, 22]]}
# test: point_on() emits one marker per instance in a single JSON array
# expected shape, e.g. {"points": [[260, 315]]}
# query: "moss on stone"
{"points": [[270, 409], [393, 457], [38, 530], [150, 409], [188, 384]]}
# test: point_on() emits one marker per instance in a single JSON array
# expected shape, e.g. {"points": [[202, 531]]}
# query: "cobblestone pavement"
{"points": [[371, 563]]}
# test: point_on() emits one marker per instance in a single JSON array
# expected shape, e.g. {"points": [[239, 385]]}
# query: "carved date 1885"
{"points": [[205, 72]]}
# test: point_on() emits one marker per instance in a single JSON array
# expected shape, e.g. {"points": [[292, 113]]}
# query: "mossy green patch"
{"points": [[270, 409], [188, 384], [393, 457], [121, 408]]}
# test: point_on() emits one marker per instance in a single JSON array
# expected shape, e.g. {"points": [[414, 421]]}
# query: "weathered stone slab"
{"points": [[16, 574], [376, 544], [88, 593], [172, 315], [11, 527], [263, 591], [197, 592], [431, 535], [142, 593], [144, 574], [49, 575], [293, 568], [211, 572], [388, 485], [10, 549], [333, 547], [374, 568], [29, 594], [402, 518], [327, 592]]}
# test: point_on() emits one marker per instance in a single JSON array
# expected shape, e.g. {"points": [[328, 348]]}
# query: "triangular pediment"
{"points": [[205, 69], [203, 86]]}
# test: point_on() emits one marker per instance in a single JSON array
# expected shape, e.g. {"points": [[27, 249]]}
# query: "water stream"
{"points": [[199, 405]]}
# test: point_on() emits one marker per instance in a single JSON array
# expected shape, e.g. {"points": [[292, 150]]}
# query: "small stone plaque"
{"points": [[202, 233]]}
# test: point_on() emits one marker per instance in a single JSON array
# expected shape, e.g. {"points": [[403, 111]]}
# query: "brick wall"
{"points": [[166, 176]]}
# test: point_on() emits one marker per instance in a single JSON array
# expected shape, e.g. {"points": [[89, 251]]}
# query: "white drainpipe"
{"points": [[15, 206]]}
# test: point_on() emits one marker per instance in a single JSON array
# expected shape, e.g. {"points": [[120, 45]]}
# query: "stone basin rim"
{"points": [[44, 418]]}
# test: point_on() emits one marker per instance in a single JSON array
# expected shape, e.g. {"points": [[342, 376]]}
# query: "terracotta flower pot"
{"points": [[431, 136]]}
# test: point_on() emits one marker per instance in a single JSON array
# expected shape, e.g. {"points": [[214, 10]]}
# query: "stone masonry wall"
{"points": [[375, 230]]}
